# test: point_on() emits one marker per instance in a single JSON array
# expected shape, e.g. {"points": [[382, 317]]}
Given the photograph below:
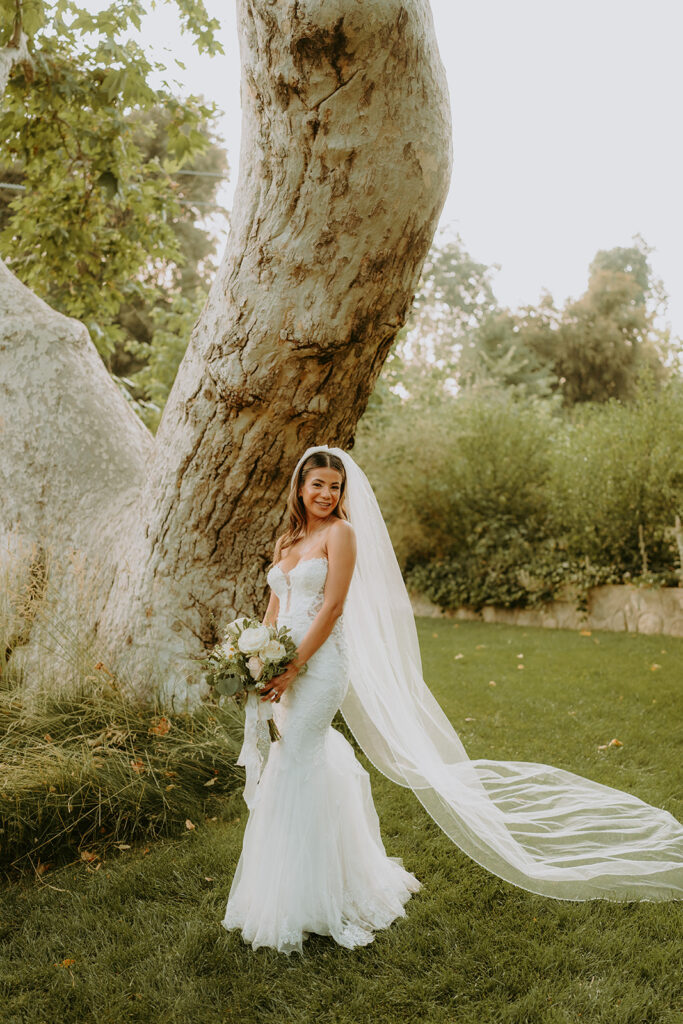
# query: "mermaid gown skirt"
{"points": [[312, 856]]}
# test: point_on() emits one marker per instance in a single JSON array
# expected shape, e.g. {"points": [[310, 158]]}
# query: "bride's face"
{"points": [[320, 493]]}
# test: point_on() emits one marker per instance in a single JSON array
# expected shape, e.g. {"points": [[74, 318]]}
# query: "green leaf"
{"points": [[228, 685], [109, 183]]}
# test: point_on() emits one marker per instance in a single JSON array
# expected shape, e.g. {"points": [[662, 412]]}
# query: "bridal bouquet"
{"points": [[247, 658]]}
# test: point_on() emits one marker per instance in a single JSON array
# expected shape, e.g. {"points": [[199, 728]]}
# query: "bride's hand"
{"points": [[278, 684]]}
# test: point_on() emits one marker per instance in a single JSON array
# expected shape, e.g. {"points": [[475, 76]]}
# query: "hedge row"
{"points": [[492, 501]]}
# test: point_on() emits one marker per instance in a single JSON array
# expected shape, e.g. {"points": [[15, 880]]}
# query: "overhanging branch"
{"points": [[16, 52]]}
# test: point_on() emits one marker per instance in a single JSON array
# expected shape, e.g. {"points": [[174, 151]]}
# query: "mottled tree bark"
{"points": [[344, 169]]}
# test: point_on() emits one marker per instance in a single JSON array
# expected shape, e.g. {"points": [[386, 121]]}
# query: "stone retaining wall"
{"points": [[622, 607]]}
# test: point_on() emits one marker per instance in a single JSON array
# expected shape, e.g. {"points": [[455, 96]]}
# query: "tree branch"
{"points": [[16, 52]]}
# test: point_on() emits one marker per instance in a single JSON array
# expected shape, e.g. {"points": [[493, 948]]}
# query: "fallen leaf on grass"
{"points": [[585, 632], [47, 738], [161, 727], [612, 743], [520, 666], [210, 782], [470, 719], [171, 785], [458, 656], [491, 683], [207, 879], [138, 766], [653, 668], [65, 963], [188, 825], [88, 855], [123, 846], [520, 655]]}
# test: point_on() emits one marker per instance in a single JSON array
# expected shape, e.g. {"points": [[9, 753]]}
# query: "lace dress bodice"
{"points": [[301, 593]]}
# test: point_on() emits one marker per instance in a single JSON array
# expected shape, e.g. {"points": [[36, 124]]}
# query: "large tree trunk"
{"points": [[344, 169]]}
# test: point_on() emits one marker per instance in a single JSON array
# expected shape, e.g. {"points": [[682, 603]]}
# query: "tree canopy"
{"points": [[594, 348], [77, 134]]}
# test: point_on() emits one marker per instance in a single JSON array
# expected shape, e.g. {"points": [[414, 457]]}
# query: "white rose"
{"points": [[255, 666], [273, 651], [233, 628], [253, 639]]}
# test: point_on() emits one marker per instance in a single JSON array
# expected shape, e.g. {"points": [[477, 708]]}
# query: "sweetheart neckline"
{"points": [[316, 558]]}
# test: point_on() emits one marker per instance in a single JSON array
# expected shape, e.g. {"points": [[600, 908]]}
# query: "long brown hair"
{"points": [[296, 525]]}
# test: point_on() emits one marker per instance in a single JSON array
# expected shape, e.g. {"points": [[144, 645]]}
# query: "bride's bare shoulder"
{"points": [[341, 536], [341, 526]]}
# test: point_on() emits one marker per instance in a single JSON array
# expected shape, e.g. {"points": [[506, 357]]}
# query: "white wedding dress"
{"points": [[312, 857]]}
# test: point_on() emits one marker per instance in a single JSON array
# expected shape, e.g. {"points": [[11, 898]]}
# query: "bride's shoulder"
{"points": [[341, 537], [341, 526]]}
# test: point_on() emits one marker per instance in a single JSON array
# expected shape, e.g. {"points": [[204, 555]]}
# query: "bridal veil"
{"points": [[542, 828]]}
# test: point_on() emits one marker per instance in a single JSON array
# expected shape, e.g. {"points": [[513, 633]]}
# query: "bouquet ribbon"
{"points": [[256, 744]]}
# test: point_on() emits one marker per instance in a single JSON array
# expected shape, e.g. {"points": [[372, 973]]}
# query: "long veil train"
{"points": [[544, 829]]}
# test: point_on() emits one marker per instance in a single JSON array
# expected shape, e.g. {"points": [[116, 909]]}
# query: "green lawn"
{"points": [[144, 930]]}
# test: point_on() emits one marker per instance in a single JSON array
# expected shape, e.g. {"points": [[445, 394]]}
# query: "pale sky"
{"points": [[566, 131]]}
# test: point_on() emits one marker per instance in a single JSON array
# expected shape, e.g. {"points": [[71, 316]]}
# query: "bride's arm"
{"points": [[272, 611]]}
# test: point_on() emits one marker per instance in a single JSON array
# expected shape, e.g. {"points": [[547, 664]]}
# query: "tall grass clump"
{"points": [[90, 770], [87, 763]]}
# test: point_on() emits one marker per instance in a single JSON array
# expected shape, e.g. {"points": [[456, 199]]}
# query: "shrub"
{"points": [[493, 501], [617, 482], [460, 473]]}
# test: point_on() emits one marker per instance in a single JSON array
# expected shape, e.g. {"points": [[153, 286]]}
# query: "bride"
{"points": [[312, 857]]}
